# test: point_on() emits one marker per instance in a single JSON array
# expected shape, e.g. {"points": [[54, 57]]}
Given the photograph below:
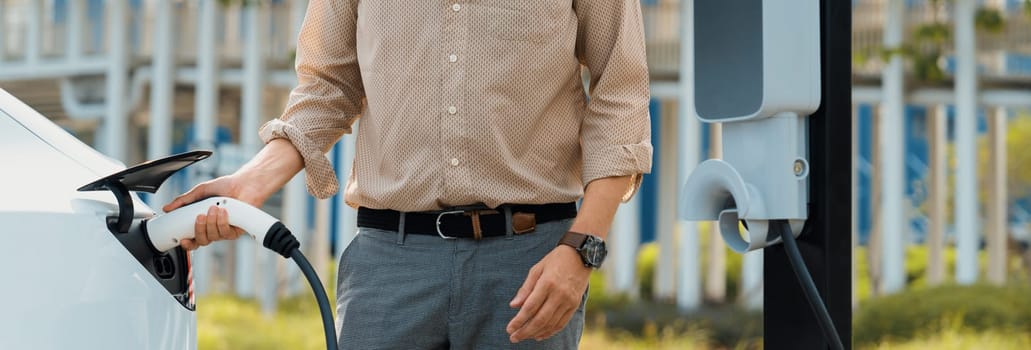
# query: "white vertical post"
{"points": [[251, 113], [296, 192], [254, 17], [319, 246], [116, 121], [252, 109], [295, 217], [206, 100], [268, 278], [997, 199], [34, 32], [245, 276], [891, 146], [689, 294], [938, 166], [75, 27], [625, 241], [666, 268], [874, 256], [752, 280], [162, 92], [205, 114], [716, 271], [966, 145]]}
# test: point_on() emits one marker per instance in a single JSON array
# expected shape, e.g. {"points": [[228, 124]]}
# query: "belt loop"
{"points": [[509, 232], [401, 229]]}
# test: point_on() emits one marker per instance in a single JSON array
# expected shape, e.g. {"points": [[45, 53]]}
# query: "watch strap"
{"points": [[573, 239]]}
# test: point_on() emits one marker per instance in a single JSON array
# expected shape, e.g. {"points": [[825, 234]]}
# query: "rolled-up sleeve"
{"points": [[329, 95], [616, 133]]}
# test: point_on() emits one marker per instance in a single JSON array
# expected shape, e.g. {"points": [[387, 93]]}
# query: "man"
{"points": [[476, 139]]}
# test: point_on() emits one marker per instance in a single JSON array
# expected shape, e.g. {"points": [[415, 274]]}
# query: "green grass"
{"points": [[600, 340], [955, 321], [229, 323], [917, 259], [976, 308], [954, 336]]}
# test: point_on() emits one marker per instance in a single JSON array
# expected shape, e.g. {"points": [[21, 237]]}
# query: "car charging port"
{"points": [[164, 266], [171, 269]]}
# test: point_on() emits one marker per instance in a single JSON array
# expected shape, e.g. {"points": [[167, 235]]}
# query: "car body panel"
{"points": [[68, 282]]}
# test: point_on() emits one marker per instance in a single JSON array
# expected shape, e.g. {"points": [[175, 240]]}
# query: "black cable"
{"points": [[280, 240], [320, 295], [823, 318]]}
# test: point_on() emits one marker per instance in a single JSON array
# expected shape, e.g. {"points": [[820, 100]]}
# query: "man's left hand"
{"points": [[551, 294]]}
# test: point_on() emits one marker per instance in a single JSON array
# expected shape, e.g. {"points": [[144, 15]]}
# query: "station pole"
{"points": [[826, 242]]}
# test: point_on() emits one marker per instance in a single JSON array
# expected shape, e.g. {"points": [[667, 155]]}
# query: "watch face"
{"points": [[593, 251]]}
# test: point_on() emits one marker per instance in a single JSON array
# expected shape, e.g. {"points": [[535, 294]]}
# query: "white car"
{"points": [[71, 279]]}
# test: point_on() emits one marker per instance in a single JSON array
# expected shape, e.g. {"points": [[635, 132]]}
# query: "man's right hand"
{"points": [[254, 183], [213, 226]]}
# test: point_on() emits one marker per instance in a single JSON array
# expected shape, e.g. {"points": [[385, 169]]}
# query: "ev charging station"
{"points": [[777, 75]]}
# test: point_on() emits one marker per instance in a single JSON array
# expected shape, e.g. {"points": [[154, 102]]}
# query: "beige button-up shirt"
{"points": [[470, 101]]}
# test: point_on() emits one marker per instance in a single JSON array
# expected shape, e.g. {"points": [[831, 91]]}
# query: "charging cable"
{"points": [[166, 231], [280, 240], [823, 318]]}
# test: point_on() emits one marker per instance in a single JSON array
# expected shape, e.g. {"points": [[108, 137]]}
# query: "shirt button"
{"points": [[454, 161], [456, 7], [452, 58], [452, 110]]}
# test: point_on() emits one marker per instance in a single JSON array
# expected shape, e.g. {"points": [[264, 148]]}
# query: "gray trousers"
{"points": [[397, 291]]}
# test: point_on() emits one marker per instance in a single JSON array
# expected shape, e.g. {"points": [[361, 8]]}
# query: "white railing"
{"points": [[35, 33], [38, 31], [661, 23]]}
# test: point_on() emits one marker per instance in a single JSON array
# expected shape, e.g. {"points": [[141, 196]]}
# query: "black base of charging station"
{"points": [[826, 242]]}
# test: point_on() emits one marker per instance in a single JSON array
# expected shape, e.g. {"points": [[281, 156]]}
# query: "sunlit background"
{"points": [[942, 176]]}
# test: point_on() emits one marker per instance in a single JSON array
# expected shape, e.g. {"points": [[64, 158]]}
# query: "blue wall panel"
{"points": [[865, 169], [649, 183]]}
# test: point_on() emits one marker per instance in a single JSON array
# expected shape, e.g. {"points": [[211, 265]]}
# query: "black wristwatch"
{"points": [[591, 248]]}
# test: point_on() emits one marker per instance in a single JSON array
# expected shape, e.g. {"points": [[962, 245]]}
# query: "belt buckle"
{"points": [[441, 215]]}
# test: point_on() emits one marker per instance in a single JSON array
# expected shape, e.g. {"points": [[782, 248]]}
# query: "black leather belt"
{"points": [[459, 222]]}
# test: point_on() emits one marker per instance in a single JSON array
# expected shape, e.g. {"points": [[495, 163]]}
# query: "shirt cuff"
{"points": [[320, 179], [619, 160]]}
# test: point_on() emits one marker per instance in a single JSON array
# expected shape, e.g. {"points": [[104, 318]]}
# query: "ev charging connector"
{"points": [[757, 71], [163, 233], [167, 230]]}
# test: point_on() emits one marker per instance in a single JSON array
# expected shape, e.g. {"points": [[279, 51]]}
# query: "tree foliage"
{"points": [[926, 46]]}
